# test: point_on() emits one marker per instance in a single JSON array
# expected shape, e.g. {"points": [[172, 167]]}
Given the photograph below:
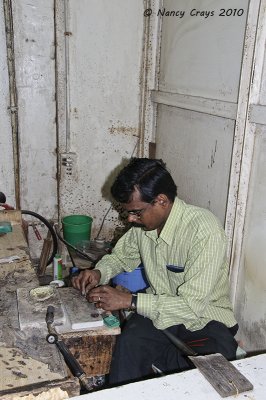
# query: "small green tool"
{"points": [[5, 227]]}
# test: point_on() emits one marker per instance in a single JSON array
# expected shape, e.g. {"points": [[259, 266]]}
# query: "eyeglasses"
{"points": [[138, 213]]}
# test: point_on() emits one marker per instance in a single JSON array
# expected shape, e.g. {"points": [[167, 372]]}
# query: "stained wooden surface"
{"points": [[13, 216], [32, 311], [30, 364], [222, 375], [27, 362], [93, 352]]}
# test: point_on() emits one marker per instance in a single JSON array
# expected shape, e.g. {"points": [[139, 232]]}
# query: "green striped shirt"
{"points": [[186, 267]]}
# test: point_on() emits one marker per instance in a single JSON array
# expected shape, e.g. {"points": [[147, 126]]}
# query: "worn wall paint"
{"points": [[105, 55], [6, 150], [195, 55], [197, 149], [248, 254], [197, 51], [251, 288], [35, 74]]}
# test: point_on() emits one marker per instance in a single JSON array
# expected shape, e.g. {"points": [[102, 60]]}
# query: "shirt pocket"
{"points": [[175, 268]]}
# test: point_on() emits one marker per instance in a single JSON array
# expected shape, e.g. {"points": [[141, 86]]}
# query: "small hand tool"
{"points": [[220, 373], [70, 360]]}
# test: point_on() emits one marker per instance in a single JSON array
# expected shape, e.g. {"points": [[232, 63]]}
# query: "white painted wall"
{"points": [[35, 74], [33, 25], [197, 149], [251, 288], [105, 66], [201, 56], [211, 113], [200, 66], [248, 274]]}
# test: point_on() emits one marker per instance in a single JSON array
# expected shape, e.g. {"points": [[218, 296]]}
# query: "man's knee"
{"points": [[224, 340]]}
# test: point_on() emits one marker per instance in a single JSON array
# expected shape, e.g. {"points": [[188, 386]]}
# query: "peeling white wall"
{"points": [[200, 66], [35, 75], [251, 288], [105, 57], [197, 149], [201, 55], [248, 259]]}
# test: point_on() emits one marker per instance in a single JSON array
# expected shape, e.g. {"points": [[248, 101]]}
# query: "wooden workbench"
{"points": [[28, 363]]}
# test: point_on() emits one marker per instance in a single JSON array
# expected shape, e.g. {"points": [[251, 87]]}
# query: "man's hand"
{"points": [[109, 299], [86, 280]]}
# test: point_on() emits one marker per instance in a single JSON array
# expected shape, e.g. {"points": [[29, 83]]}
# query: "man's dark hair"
{"points": [[149, 176]]}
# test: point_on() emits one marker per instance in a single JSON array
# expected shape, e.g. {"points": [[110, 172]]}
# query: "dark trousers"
{"points": [[141, 344]]}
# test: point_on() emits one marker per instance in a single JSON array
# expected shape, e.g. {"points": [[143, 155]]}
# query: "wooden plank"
{"points": [[13, 216], [18, 369], [47, 244], [14, 243], [215, 107], [28, 364], [221, 374], [63, 388]]}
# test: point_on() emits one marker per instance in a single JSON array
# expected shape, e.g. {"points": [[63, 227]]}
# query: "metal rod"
{"points": [[71, 361], [179, 343]]}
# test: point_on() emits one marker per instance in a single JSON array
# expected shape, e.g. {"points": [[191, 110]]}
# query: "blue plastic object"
{"points": [[133, 281]]}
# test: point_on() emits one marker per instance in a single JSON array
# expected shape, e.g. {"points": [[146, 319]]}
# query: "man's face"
{"points": [[149, 216]]}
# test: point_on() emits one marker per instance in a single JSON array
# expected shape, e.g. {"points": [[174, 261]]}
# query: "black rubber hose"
{"points": [[2, 197], [51, 229], [81, 253]]}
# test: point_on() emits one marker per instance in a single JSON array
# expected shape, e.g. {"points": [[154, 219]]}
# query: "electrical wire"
{"points": [[84, 255], [101, 227], [109, 209]]}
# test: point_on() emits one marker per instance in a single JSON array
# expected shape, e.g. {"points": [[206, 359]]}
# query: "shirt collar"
{"points": [[172, 221]]}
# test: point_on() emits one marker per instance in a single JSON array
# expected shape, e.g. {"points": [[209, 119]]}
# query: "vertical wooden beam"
{"points": [[12, 94]]}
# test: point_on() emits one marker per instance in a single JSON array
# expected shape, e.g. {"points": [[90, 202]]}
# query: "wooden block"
{"points": [[221, 374], [94, 353], [47, 244]]}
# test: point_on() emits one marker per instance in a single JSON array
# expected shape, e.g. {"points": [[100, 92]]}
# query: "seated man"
{"points": [[183, 250]]}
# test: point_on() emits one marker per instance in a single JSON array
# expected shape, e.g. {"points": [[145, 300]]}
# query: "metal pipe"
{"points": [[67, 34], [13, 107], [70, 360], [144, 83]]}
